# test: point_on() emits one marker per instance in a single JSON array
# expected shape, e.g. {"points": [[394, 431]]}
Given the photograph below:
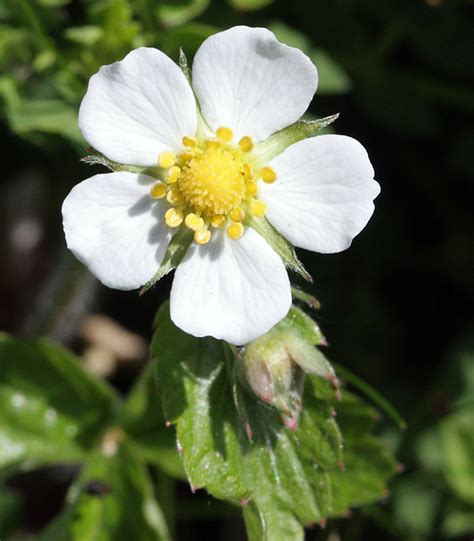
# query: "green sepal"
{"points": [[174, 254], [96, 158], [308, 299], [279, 244], [276, 143], [184, 66], [307, 328]]}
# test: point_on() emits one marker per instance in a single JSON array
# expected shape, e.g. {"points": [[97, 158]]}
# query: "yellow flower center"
{"points": [[213, 182], [211, 185]]}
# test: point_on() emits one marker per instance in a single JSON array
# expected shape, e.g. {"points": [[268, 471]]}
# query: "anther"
{"points": [[218, 220], [237, 214], [166, 159], [203, 236], [158, 190], [173, 218], [251, 188], [189, 141], [268, 175], [258, 208], [246, 144], [174, 197], [225, 134], [235, 231], [173, 174], [248, 170], [213, 143], [194, 222]]}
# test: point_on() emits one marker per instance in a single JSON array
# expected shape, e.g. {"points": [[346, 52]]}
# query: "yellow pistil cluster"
{"points": [[211, 185]]}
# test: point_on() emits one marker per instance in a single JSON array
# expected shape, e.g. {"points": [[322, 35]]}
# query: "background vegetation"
{"points": [[396, 307]]}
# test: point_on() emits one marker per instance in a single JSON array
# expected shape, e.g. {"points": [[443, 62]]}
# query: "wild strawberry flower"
{"points": [[213, 160]]}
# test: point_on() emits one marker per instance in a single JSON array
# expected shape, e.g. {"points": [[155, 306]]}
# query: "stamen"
{"points": [[203, 236], [246, 144], [173, 174], [189, 141], [258, 208], [218, 220], [158, 190], [235, 231], [251, 188], [213, 143], [173, 218], [225, 134], [166, 159], [194, 222], [248, 170], [237, 214], [268, 175], [174, 197]]}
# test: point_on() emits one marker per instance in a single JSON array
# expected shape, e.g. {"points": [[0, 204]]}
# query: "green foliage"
{"points": [[237, 448], [50, 409], [111, 500], [439, 495]]}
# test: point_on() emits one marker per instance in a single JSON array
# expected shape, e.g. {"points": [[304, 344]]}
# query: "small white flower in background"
{"points": [[205, 147]]}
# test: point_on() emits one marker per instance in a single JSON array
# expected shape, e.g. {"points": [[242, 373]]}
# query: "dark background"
{"points": [[396, 307]]}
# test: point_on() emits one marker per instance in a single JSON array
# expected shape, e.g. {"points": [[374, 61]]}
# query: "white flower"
{"points": [[142, 111]]}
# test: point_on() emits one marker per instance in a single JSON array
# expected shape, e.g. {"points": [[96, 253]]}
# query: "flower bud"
{"points": [[274, 365]]}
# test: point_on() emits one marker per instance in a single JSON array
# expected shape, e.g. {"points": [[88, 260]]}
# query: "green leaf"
{"points": [[48, 116], [112, 499], [50, 408], [142, 418], [250, 5], [458, 519], [332, 78], [237, 448], [176, 13], [448, 448], [87, 35]]}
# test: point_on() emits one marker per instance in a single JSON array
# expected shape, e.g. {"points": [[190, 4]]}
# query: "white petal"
{"points": [[114, 227], [323, 194], [137, 108], [235, 290], [248, 81]]}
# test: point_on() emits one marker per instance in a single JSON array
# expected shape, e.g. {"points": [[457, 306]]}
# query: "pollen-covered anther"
{"points": [[268, 175], [246, 144], [213, 143], [189, 141], [158, 190], [235, 230], [173, 218], [251, 188], [174, 197], [237, 214], [258, 208], [225, 134], [218, 220], [194, 222], [166, 159], [173, 174], [203, 236]]}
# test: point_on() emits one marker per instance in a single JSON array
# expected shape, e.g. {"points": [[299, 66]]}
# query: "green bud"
{"points": [[267, 368], [273, 366]]}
